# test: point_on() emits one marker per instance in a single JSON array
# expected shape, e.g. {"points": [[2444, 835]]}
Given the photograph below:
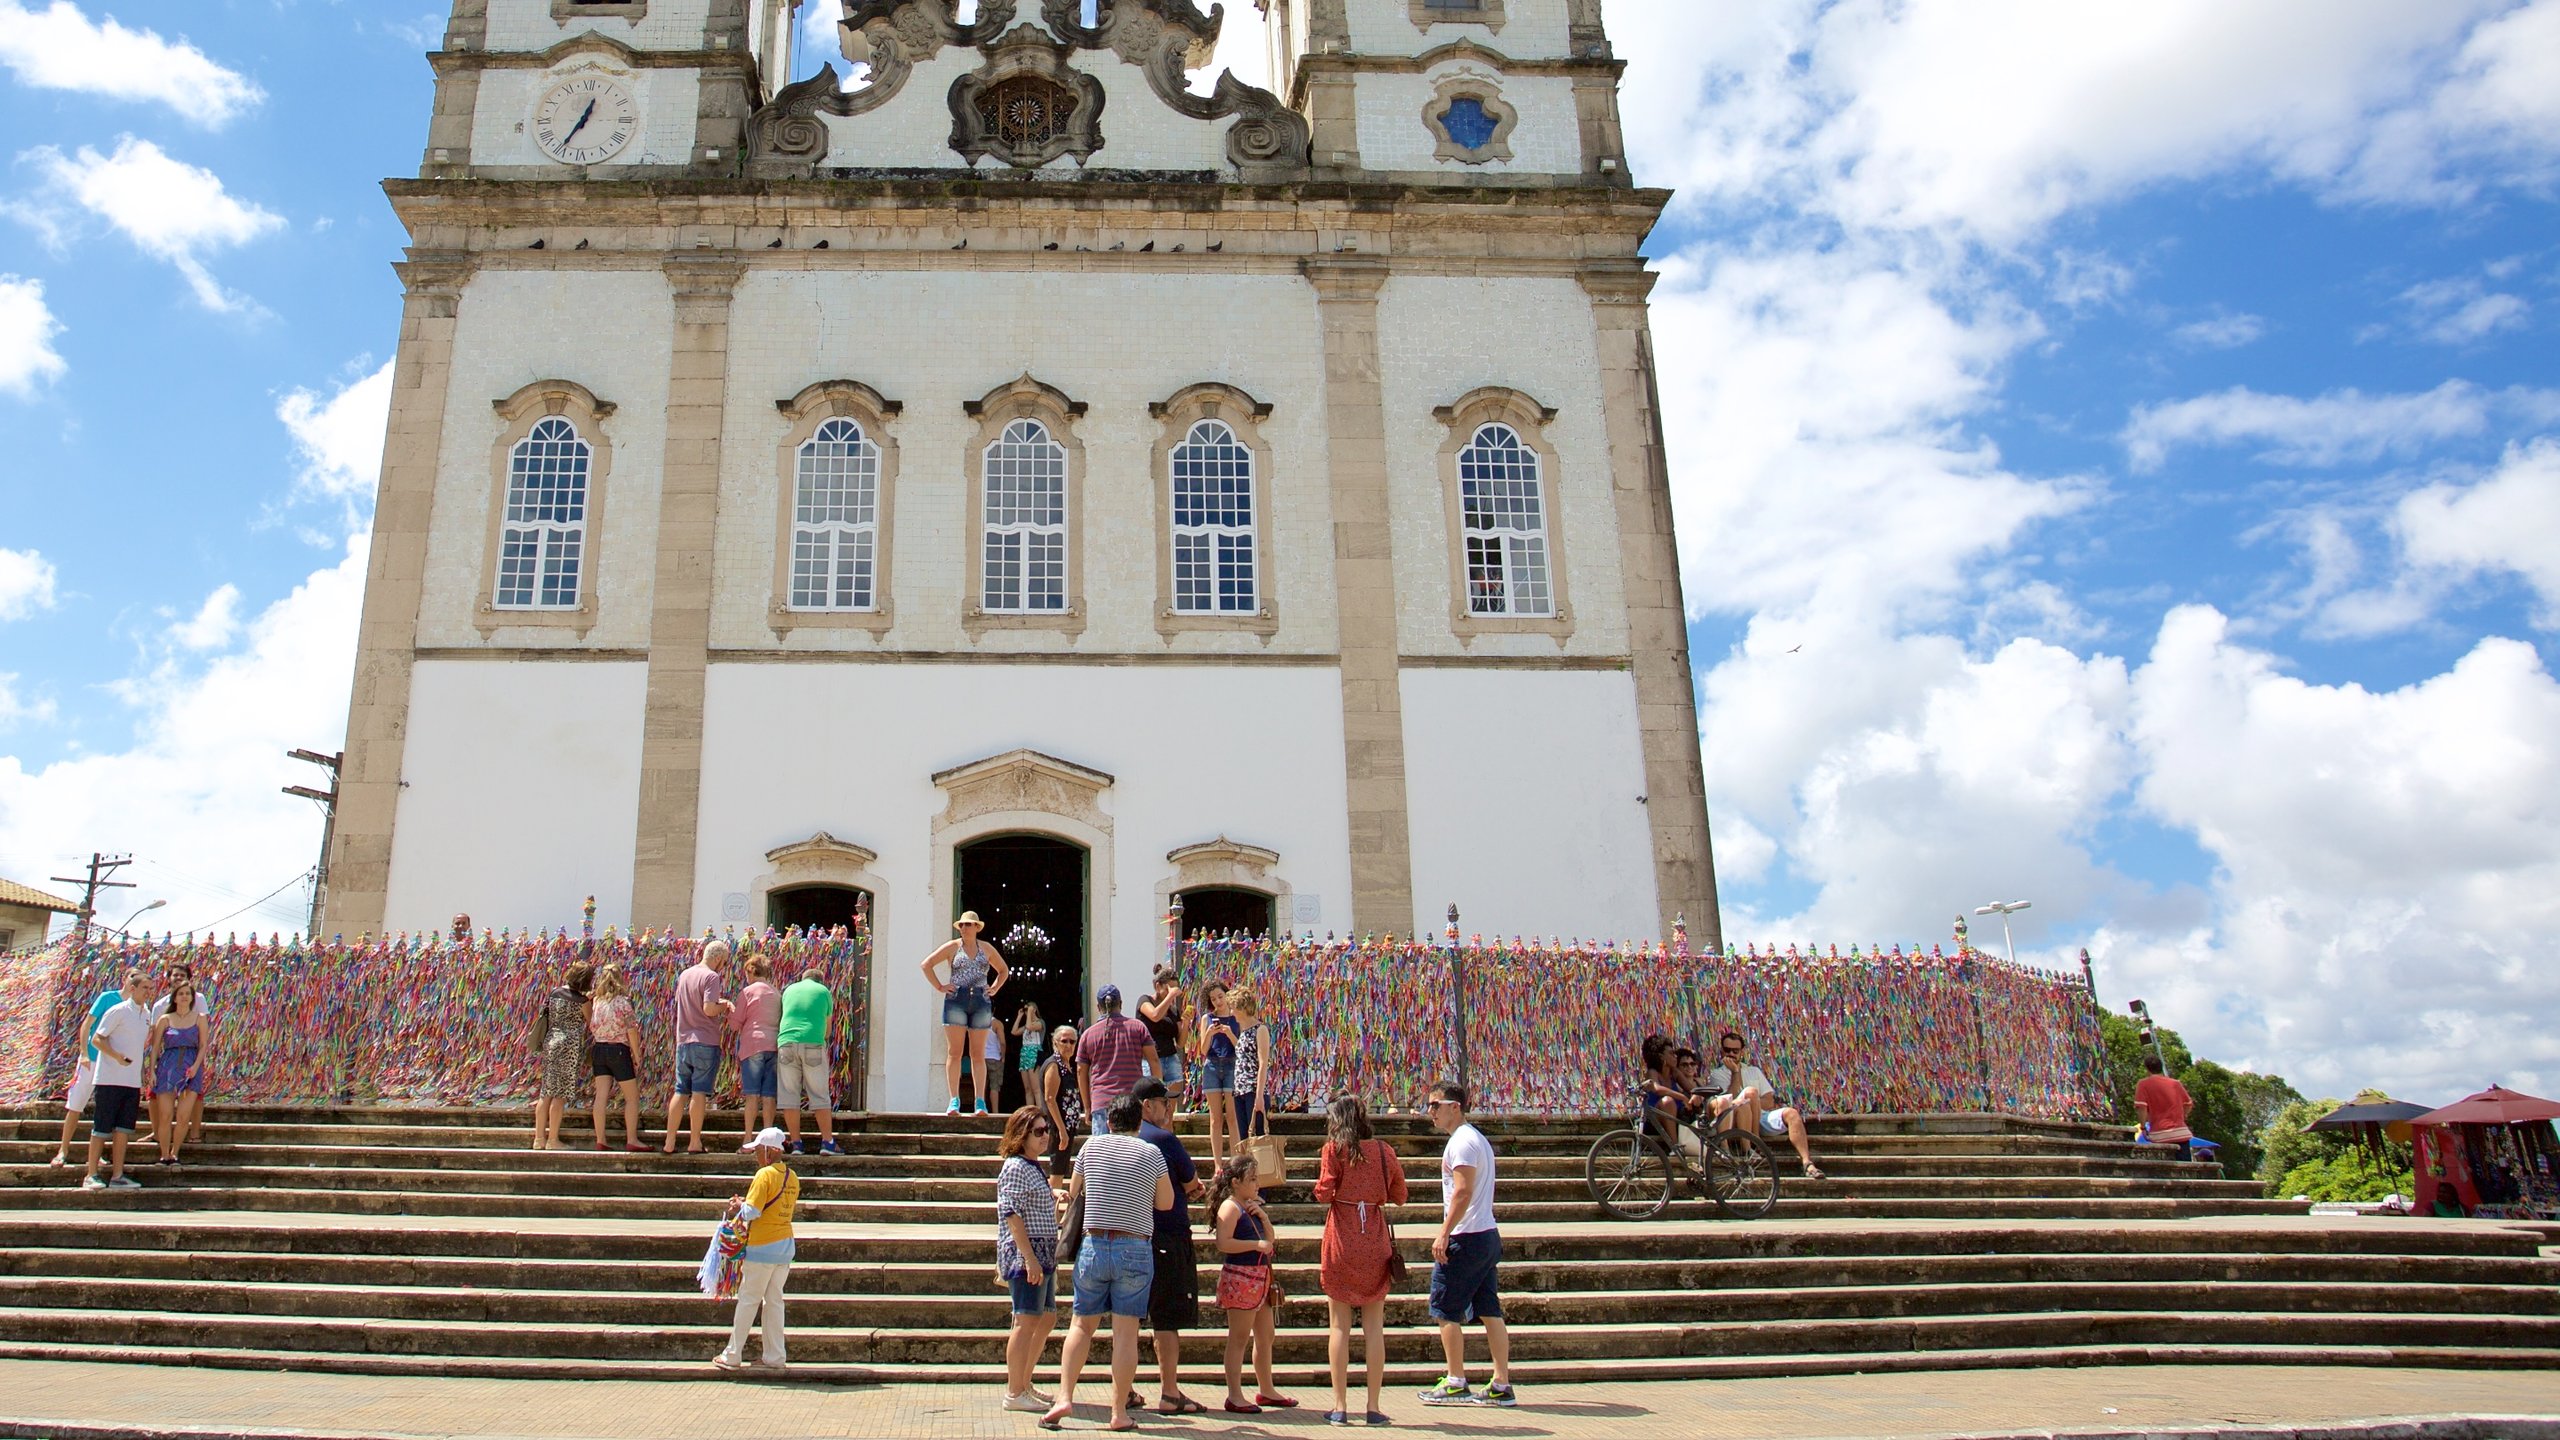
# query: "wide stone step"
{"points": [[1400, 1373], [634, 1274], [1835, 1204], [323, 1150], [823, 1345], [824, 1309]]}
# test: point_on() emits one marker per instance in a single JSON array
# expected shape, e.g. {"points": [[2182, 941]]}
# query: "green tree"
{"points": [[2347, 1177], [2289, 1143], [2125, 1054], [2219, 1116], [2261, 1098]]}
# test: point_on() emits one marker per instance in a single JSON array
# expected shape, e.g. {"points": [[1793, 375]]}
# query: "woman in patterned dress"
{"points": [[560, 1041], [1357, 1177]]}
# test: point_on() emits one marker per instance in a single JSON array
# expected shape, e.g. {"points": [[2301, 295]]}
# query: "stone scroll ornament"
{"points": [[1005, 110]]}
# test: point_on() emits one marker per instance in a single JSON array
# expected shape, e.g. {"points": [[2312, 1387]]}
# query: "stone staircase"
{"points": [[430, 1241]]}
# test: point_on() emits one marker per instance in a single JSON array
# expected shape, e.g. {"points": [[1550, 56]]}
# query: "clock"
{"points": [[585, 120]]}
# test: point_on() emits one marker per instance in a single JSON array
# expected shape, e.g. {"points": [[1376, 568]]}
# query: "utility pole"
{"points": [[328, 802], [100, 867]]}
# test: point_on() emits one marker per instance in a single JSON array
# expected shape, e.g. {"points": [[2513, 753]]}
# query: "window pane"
{"points": [[1193, 578], [839, 480], [1044, 568], [1484, 575], [1529, 576], [1235, 573], [1026, 477], [1004, 571]]}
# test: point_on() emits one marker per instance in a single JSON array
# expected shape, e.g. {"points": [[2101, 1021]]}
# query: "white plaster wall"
{"points": [[1531, 30], [1394, 136], [502, 129], [791, 749], [521, 794], [527, 25], [1139, 131], [1440, 337], [1117, 341], [609, 330], [1522, 788]]}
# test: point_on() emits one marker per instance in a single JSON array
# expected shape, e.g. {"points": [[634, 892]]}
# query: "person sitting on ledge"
{"points": [[2163, 1104], [1667, 1102], [1752, 1099]]}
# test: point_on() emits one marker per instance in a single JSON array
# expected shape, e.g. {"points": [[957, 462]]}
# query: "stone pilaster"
{"points": [[1684, 866], [1365, 590], [387, 632], [680, 616]]}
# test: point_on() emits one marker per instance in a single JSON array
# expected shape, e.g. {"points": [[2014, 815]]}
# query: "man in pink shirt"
{"points": [[700, 1011], [1115, 1046]]}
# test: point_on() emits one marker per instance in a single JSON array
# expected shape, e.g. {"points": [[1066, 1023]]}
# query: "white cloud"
{"points": [[2329, 429], [26, 583], [340, 435], [213, 624], [2507, 522], [172, 210], [14, 709], [2461, 310], [27, 328], [2222, 331], [195, 795], [59, 48]]}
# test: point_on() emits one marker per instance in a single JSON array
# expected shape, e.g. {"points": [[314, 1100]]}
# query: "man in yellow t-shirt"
{"points": [[767, 1206]]}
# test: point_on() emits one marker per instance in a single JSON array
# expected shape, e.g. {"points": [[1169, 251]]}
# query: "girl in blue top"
{"points": [[1218, 1067]]}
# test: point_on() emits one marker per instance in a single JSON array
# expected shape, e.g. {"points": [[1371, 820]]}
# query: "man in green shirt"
{"points": [[807, 1008]]}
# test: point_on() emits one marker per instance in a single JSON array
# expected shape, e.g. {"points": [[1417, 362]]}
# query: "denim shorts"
{"points": [[1172, 1067], [1465, 1287], [1040, 1299], [969, 1006], [759, 1076], [697, 1069], [1218, 1076], [1115, 1275]]}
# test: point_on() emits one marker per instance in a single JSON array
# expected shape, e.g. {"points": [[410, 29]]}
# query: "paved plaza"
{"points": [[64, 1399]]}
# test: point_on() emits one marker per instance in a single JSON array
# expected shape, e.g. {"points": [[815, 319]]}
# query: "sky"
{"points": [[2115, 448]]}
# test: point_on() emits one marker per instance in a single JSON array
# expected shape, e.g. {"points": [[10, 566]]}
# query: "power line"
{"points": [[254, 904]]}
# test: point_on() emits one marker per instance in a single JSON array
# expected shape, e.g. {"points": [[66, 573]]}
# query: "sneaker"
{"points": [[1450, 1391], [1336, 1417], [985, 1109], [953, 1108], [829, 1148], [124, 1182], [92, 1182], [1501, 1396], [1029, 1402]]}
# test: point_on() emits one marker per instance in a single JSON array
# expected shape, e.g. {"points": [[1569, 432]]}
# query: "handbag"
{"points": [[1270, 1159], [1243, 1287], [1071, 1238], [1396, 1268]]}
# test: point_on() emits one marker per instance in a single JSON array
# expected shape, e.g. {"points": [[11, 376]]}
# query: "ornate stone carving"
{"points": [[1026, 106], [820, 859], [1023, 781], [787, 138], [1268, 141]]}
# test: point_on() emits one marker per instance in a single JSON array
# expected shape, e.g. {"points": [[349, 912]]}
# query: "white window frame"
{"points": [[558, 546], [523, 416], [1484, 428], [1022, 536], [859, 487], [1217, 540]]}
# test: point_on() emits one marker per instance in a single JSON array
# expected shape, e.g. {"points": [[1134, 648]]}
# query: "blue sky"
{"points": [[2116, 449]]}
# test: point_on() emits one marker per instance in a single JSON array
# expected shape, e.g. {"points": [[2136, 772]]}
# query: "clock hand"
{"points": [[583, 117]]}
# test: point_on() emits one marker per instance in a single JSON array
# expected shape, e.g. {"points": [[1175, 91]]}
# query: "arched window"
{"points": [[835, 519], [1026, 522], [1213, 524], [542, 536], [1504, 520]]}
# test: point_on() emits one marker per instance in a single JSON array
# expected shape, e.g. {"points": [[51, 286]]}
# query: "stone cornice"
{"points": [[453, 62]]}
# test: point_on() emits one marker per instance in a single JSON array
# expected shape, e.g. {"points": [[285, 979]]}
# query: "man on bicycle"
{"points": [[1750, 1098]]}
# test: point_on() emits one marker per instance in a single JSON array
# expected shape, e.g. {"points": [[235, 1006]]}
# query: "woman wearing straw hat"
{"points": [[968, 998]]}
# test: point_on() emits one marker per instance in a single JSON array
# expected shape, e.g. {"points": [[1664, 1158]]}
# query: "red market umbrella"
{"points": [[2496, 1105]]}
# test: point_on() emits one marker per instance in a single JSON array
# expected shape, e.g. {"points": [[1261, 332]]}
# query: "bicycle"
{"points": [[1632, 1171]]}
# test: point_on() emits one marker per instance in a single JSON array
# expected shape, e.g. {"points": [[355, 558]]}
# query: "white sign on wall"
{"points": [[1306, 909], [733, 906]]}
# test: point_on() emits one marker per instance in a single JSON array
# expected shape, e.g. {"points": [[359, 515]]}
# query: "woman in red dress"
{"points": [[1357, 1177]]}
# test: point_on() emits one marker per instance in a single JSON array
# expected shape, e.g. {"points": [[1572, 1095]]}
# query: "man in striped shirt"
{"points": [[1123, 1183]]}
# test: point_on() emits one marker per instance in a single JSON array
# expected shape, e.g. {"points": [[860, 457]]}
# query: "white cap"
{"points": [[771, 1138]]}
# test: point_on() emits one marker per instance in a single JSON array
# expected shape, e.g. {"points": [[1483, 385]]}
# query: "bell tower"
{"points": [[1499, 92]]}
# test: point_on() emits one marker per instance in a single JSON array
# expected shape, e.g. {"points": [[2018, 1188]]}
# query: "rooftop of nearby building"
{"points": [[13, 893]]}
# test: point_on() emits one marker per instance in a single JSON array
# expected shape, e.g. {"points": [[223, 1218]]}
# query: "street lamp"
{"points": [[138, 914], [2004, 909]]}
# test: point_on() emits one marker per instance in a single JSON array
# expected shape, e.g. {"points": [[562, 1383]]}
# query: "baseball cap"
{"points": [[1108, 997]]}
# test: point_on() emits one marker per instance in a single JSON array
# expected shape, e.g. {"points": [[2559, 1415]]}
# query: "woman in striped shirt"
{"points": [[1027, 1251]]}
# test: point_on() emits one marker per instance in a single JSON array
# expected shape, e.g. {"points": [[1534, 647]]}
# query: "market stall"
{"points": [[2493, 1156]]}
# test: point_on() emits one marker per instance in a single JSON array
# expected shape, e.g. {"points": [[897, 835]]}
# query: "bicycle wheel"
{"points": [[1630, 1174], [1742, 1175]]}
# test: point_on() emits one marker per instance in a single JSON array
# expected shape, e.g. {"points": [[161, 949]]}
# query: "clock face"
{"points": [[585, 120]]}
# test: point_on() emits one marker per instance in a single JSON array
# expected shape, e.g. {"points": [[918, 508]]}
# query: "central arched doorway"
{"points": [[814, 907], [1022, 882], [1225, 910]]}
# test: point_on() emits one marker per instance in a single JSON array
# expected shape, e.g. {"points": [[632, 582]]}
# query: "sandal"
{"points": [[1814, 1172], [1183, 1406], [1056, 1413]]}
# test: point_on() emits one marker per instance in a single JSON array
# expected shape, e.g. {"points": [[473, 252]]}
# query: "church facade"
{"points": [[1032, 479]]}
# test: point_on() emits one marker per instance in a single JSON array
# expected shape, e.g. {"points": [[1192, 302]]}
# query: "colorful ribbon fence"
{"points": [[409, 1020], [1554, 1028]]}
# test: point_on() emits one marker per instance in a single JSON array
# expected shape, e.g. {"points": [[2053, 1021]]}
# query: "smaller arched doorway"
{"points": [[1225, 910], [815, 907]]}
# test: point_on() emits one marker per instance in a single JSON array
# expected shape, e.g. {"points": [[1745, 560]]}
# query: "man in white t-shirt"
{"points": [[1753, 1100], [120, 1035], [1466, 1257], [84, 1072]]}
